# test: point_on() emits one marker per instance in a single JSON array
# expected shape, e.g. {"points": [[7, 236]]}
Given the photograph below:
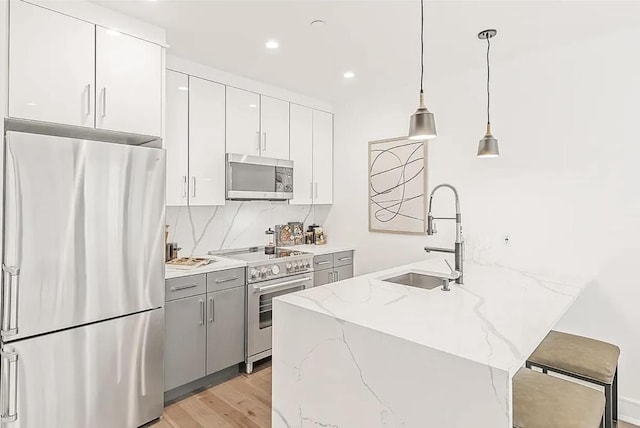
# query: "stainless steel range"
{"points": [[269, 276]]}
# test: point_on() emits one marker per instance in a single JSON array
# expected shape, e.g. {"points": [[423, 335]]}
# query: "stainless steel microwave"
{"points": [[257, 178]]}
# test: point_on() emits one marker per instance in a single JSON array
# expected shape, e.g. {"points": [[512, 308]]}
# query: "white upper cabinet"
{"points": [[301, 149], [243, 122], [206, 142], [51, 66], [322, 157], [128, 83], [274, 125], [176, 140]]}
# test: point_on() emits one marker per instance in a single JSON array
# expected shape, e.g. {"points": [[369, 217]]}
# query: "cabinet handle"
{"points": [[88, 99], [316, 190], [184, 186], [264, 141], [221, 280], [202, 316], [104, 102], [344, 259], [9, 380], [258, 141], [311, 190], [212, 308], [193, 189], [326, 262], [337, 275], [330, 276], [183, 287]]}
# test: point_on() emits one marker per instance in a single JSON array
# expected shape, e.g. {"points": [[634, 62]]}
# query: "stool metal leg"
{"points": [[615, 396], [608, 407]]}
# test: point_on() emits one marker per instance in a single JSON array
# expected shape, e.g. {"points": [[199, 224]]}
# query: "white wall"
{"points": [[565, 187], [235, 225]]}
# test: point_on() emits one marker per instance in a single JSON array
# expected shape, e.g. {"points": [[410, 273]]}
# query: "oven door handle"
{"points": [[282, 286]]}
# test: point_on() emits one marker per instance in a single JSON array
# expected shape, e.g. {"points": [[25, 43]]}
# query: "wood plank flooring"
{"points": [[243, 402]]}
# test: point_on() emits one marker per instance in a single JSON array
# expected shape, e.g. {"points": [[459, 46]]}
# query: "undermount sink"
{"points": [[419, 280]]}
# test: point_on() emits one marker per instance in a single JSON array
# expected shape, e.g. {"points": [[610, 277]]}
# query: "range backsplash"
{"points": [[234, 225]]}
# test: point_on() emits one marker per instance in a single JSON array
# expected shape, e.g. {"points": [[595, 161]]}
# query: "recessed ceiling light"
{"points": [[182, 88], [272, 44], [318, 23], [32, 104], [349, 75], [253, 105]]}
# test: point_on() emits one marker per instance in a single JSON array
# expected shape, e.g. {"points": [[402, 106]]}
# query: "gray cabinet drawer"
{"points": [[324, 261], [343, 258], [224, 279], [177, 288]]}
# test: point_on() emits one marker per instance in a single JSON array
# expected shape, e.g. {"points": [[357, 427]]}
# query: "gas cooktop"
{"points": [[257, 255]]}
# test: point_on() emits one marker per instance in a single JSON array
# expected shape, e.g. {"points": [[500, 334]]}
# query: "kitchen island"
{"points": [[364, 352]]}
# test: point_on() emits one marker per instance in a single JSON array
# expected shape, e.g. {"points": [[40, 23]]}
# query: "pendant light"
{"points": [[488, 146], [422, 125]]}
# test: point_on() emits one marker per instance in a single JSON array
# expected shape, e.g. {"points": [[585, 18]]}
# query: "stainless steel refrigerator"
{"points": [[83, 283]]}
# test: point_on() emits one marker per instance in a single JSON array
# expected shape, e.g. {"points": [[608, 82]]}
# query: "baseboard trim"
{"points": [[629, 410]]}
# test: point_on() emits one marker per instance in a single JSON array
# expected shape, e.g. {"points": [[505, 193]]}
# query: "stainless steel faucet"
{"points": [[459, 244]]}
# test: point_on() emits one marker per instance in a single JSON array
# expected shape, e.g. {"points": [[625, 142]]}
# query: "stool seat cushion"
{"points": [[590, 358], [543, 401]]}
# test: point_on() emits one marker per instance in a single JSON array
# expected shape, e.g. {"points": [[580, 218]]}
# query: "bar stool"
{"points": [[582, 358], [542, 401]]}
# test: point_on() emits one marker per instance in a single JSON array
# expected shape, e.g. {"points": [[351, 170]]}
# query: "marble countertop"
{"points": [[497, 318], [318, 250], [218, 264]]}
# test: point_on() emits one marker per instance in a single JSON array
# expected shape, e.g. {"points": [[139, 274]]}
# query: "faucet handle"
{"points": [[454, 273]]}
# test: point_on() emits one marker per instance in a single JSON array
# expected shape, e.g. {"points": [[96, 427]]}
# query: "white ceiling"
{"points": [[378, 40]]}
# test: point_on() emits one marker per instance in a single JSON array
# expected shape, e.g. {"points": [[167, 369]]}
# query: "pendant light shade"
{"points": [[488, 145], [422, 125]]}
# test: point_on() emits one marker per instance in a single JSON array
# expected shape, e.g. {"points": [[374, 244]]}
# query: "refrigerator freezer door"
{"points": [[103, 375], [84, 232]]}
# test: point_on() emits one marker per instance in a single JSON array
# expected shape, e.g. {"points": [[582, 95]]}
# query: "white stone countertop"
{"points": [[218, 264], [319, 250], [497, 318]]}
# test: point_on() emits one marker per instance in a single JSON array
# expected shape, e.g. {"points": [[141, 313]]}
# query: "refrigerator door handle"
{"points": [[9, 387], [9, 301]]}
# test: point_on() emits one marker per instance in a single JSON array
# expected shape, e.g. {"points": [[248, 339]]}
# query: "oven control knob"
{"points": [[289, 267], [254, 273], [263, 272], [275, 269], [308, 265]]}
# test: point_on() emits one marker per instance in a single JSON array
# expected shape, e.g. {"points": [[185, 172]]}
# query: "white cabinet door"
{"points": [[301, 154], [51, 66], [243, 122], [322, 157], [128, 83], [206, 142], [274, 124], [176, 140]]}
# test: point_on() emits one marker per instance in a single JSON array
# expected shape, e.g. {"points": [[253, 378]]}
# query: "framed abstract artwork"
{"points": [[397, 186]]}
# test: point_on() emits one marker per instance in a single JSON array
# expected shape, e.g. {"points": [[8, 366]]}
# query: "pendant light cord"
{"points": [[421, 45], [488, 80]]}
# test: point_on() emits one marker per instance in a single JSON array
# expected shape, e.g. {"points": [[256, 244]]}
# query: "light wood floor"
{"points": [[243, 402]]}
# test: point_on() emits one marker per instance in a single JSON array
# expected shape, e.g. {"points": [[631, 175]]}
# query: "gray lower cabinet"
{"points": [[185, 341], [204, 331], [332, 267], [225, 328], [343, 272]]}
